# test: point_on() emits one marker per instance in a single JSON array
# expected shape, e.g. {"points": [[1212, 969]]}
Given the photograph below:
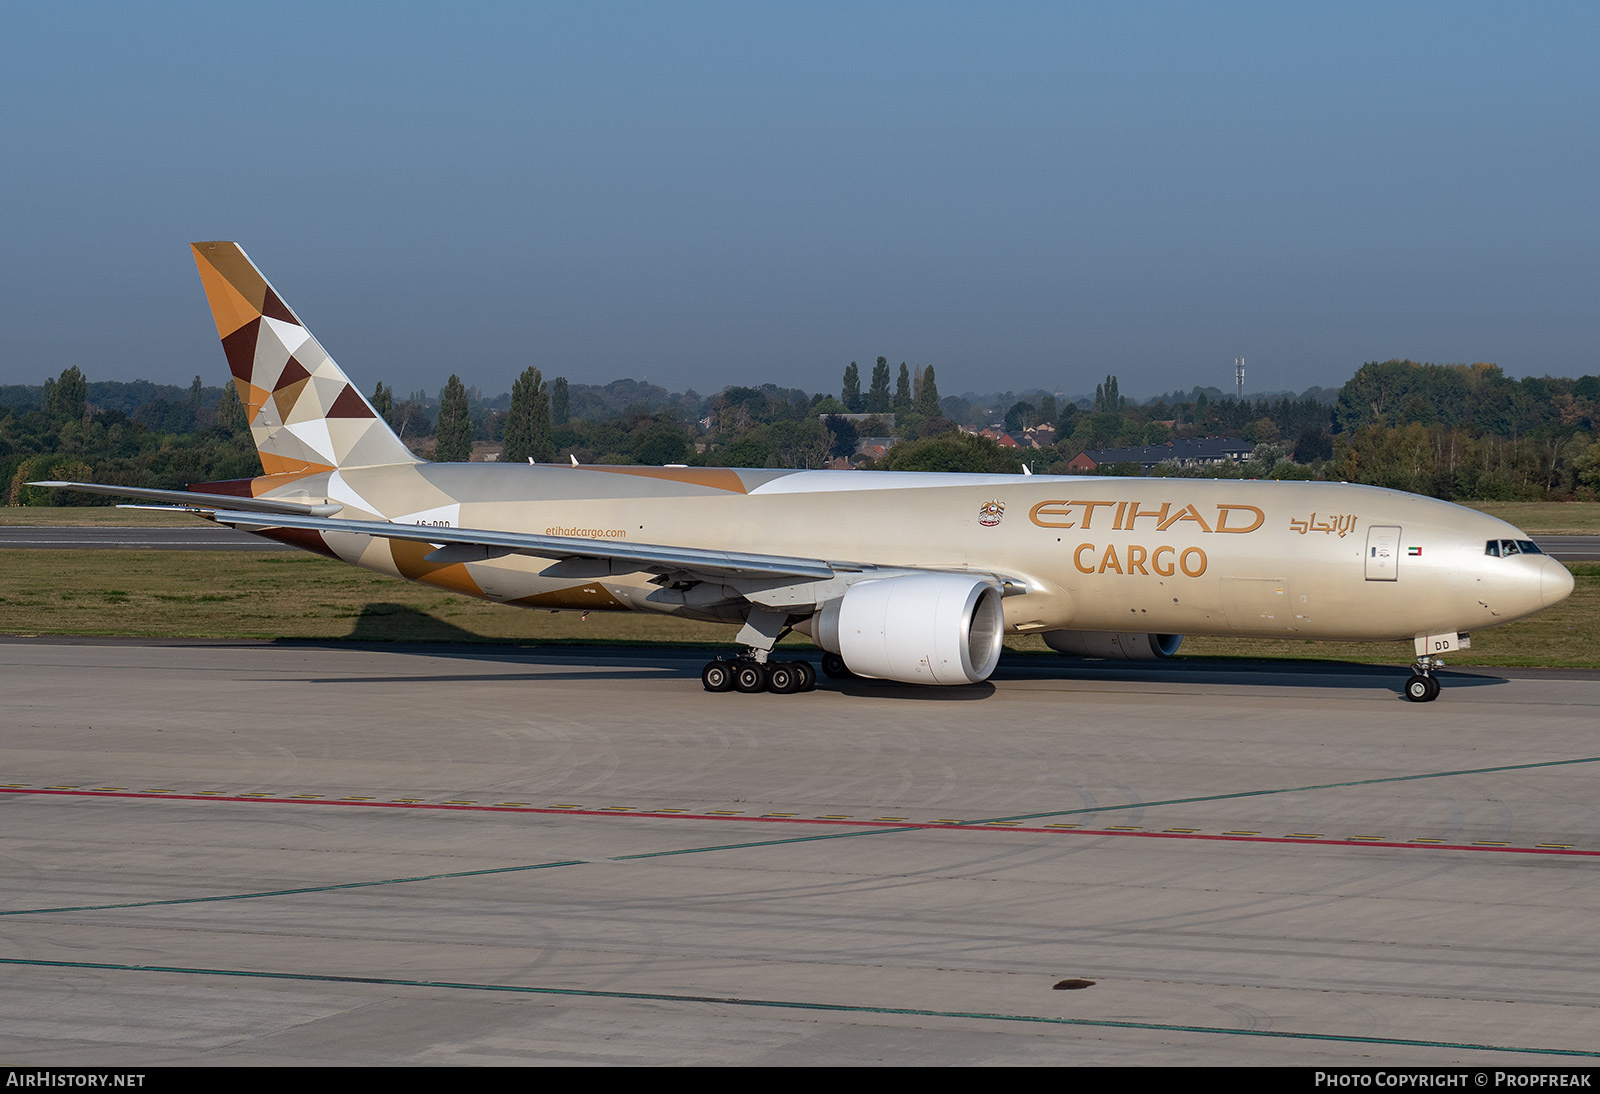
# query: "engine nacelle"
{"points": [[1113, 646], [915, 628]]}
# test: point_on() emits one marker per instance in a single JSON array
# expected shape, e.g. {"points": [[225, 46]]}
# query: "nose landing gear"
{"points": [[1422, 687]]}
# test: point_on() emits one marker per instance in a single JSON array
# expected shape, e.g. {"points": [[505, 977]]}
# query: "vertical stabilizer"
{"points": [[305, 414]]}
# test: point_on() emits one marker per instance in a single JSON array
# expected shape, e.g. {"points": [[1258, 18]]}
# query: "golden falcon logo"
{"points": [[990, 514]]}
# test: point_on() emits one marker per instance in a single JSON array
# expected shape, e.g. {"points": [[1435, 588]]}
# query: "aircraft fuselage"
{"points": [[1195, 556]]}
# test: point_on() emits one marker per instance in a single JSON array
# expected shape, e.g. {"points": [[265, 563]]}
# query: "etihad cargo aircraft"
{"points": [[897, 576]]}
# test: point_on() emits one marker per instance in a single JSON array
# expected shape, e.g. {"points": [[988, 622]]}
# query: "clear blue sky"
{"points": [[702, 194]]}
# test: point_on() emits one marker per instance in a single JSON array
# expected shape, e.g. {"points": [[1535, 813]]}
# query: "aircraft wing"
{"points": [[633, 556], [479, 544]]}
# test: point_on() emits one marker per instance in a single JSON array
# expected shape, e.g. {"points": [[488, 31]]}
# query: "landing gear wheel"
{"points": [[1422, 689], [834, 666], [717, 676], [783, 677], [750, 677], [808, 675]]}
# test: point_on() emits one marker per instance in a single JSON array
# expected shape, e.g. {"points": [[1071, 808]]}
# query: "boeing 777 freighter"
{"points": [[897, 576]]}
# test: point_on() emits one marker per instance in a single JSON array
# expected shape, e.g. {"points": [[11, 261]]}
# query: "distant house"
{"points": [[874, 447], [999, 437], [1190, 452], [1034, 436]]}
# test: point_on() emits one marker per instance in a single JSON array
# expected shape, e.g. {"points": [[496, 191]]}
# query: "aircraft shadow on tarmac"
{"points": [[382, 622], [425, 635], [1284, 674]]}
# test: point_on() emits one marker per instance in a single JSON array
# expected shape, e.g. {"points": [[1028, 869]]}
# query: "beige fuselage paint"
{"points": [[1101, 554]]}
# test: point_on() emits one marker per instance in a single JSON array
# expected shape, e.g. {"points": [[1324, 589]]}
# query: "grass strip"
{"points": [[246, 595]]}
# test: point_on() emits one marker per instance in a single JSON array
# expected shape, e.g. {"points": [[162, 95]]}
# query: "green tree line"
{"points": [[1452, 431]]}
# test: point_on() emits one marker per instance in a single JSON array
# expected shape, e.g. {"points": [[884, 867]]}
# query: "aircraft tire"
{"points": [[808, 675], [717, 676], [750, 677], [1422, 689], [833, 665], [783, 677]]}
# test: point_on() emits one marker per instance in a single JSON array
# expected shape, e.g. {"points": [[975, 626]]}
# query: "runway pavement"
{"points": [[278, 852], [1571, 548], [209, 537]]}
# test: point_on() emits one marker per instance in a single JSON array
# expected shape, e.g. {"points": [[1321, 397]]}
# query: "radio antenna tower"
{"points": [[1238, 377]]}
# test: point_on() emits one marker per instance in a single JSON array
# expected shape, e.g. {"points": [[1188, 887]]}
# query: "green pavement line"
{"points": [[747, 845], [223, 897], [772, 842], [296, 892], [792, 1004], [1287, 790]]}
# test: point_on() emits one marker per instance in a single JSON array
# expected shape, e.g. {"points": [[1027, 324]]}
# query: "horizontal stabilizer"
{"points": [[198, 503]]}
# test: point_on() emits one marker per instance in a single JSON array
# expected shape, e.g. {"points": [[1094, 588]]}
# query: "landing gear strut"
{"points": [[1422, 687]]}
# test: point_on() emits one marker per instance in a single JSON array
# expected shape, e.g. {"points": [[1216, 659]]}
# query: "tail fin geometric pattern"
{"points": [[305, 415]]}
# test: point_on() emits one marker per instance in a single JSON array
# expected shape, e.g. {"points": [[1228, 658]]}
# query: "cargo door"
{"points": [[1383, 552]]}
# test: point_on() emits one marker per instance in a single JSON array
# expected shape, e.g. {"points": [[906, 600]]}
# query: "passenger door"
{"points": [[1383, 552]]}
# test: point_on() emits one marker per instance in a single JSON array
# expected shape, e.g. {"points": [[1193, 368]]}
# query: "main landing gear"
{"points": [[1422, 687], [748, 675], [753, 672]]}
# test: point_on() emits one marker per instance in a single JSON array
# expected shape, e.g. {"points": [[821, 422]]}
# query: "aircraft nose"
{"points": [[1555, 583]]}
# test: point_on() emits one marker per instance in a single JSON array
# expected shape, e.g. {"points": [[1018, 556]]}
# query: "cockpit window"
{"points": [[1505, 548]]}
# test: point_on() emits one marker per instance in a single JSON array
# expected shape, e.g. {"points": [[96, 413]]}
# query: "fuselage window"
{"points": [[1529, 547], [1492, 548]]}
